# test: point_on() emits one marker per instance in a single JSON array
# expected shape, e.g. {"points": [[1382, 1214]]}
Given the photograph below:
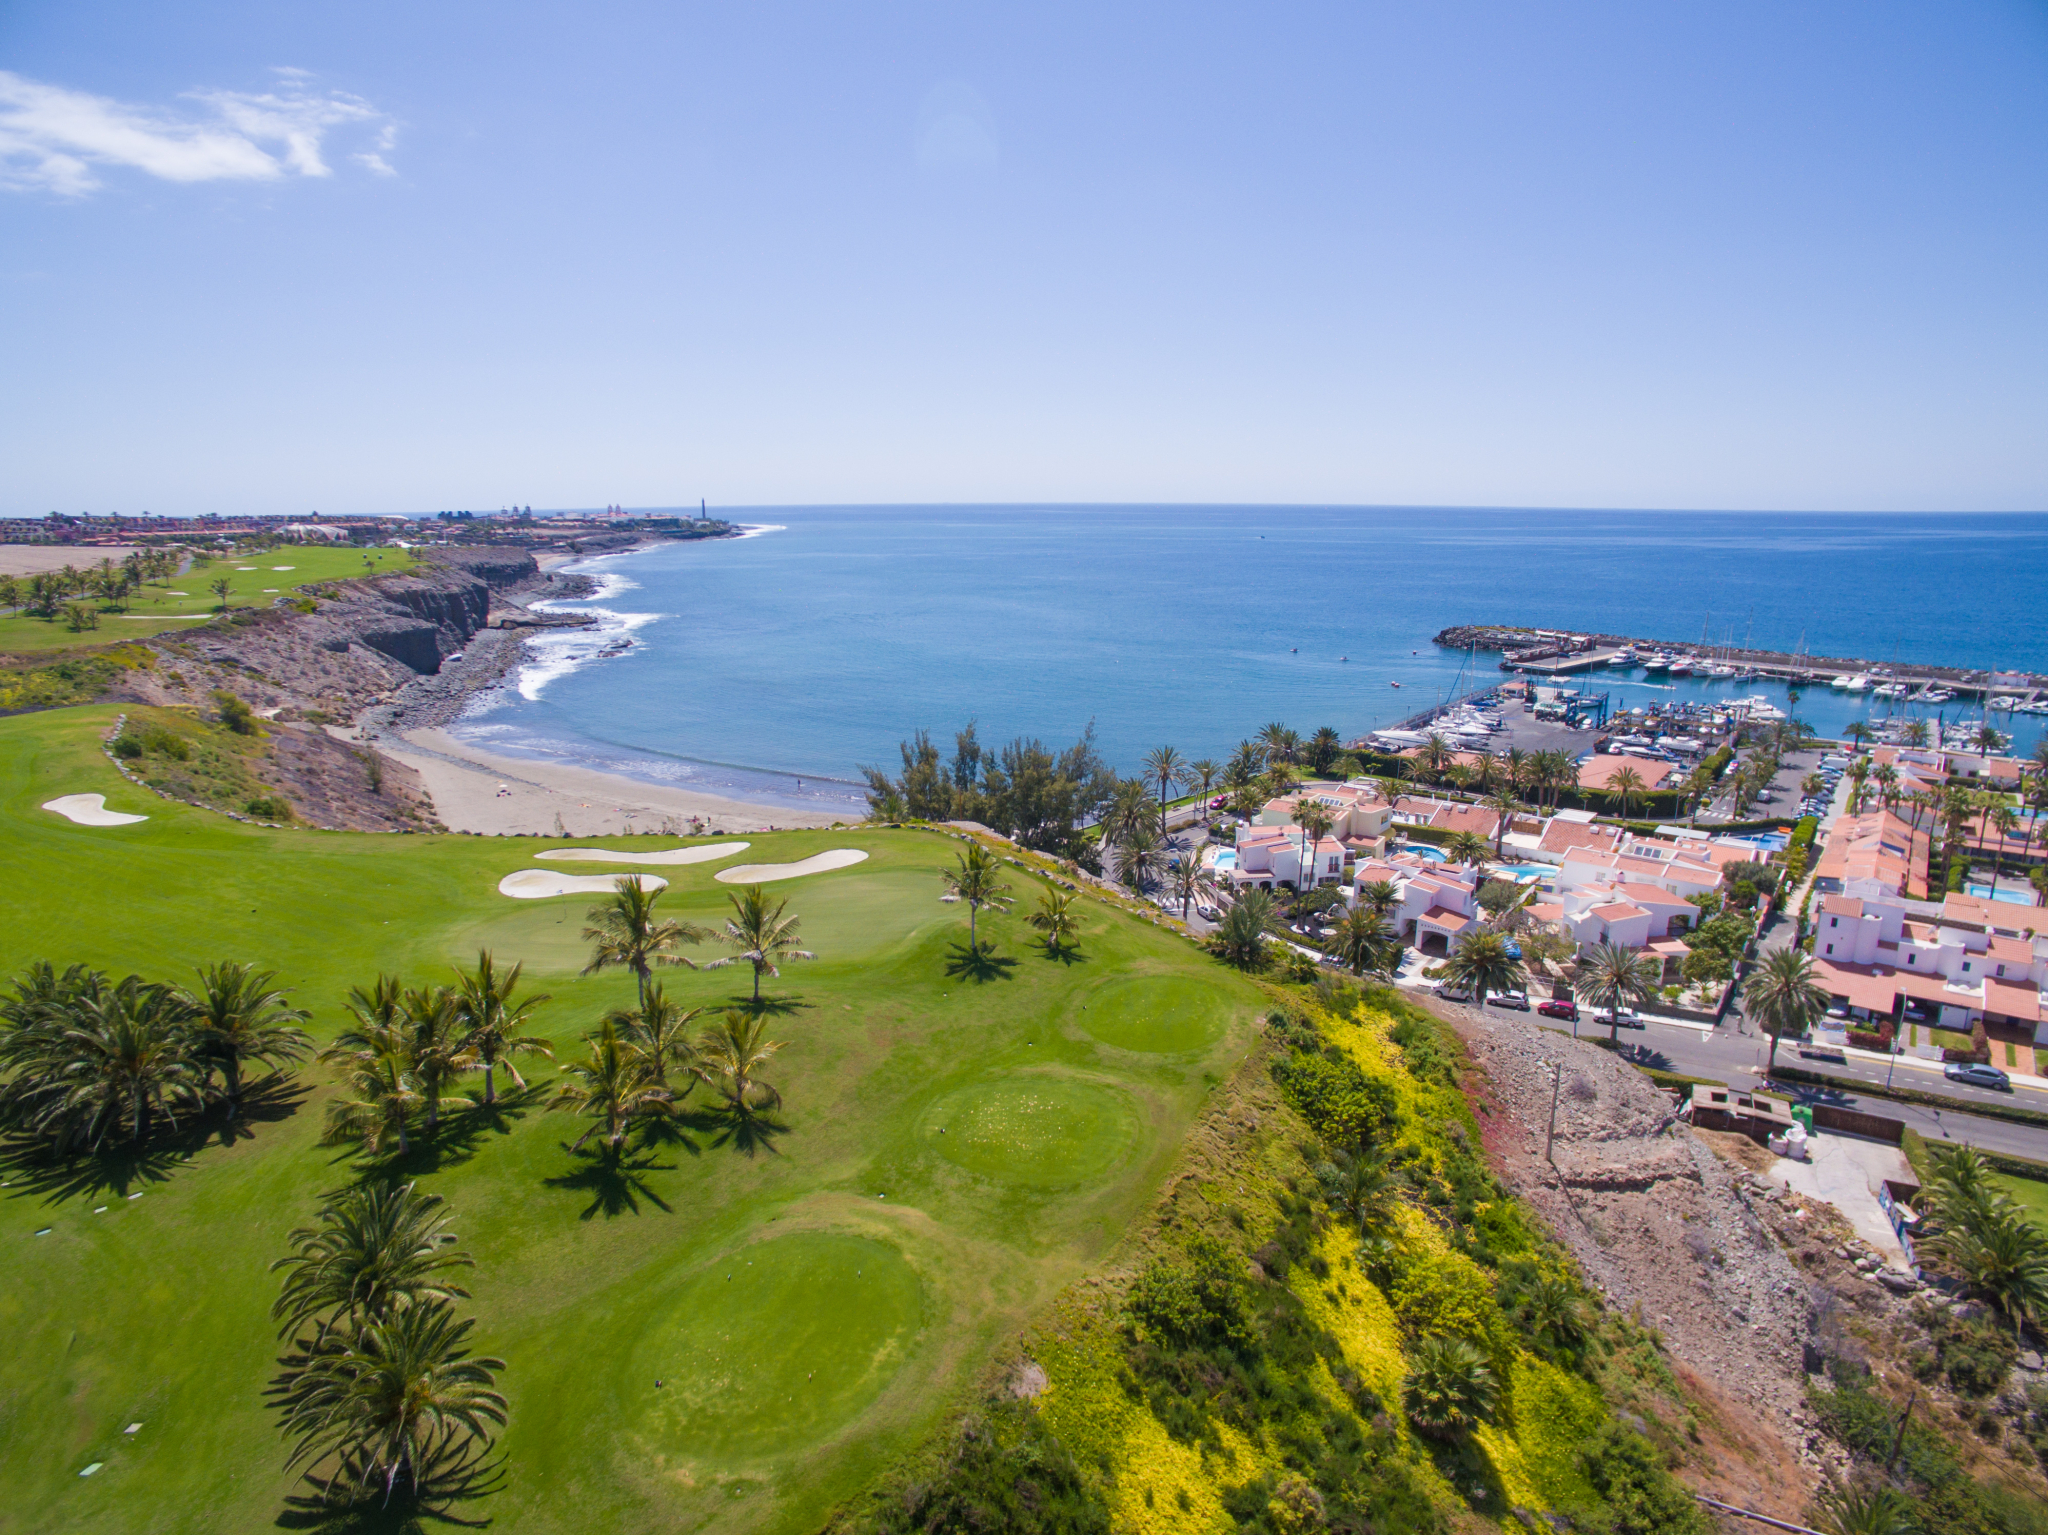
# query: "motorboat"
{"points": [[1842, 681], [1680, 667], [1888, 690], [1660, 662], [1933, 695], [1857, 684], [1393, 684]]}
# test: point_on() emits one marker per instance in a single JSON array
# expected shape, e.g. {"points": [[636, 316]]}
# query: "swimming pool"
{"points": [[1537, 871], [2005, 893], [1424, 850], [1223, 858]]}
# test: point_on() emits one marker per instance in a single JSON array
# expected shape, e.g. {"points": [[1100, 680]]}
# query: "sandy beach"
{"points": [[477, 791]]}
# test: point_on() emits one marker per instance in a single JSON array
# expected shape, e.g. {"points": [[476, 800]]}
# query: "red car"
{"points": [[1559, 1007]]}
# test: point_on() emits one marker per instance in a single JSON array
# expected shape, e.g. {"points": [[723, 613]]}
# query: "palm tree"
{"points": [[2004, 1257], [1240, 938], [1553, 1313], [626, 932], [729, 1052], [1857, 732], [977, 880], [378, 1014], [391, 1401], [1315, 820], [1503, 806], [1916, 732], [1360, 1188], [238, 1017], [1482, 963], [1987, 740], [1886, 776], [1189, 879], [1055, 918], [1165, 764], [1203, 773], [1280, 743], [658, 1034], [1626, 785], [438, 1053], [1462, 776], [1365, 941], [1138, 858], [2004, 820], [1783, 997], [494, 1026], [1323, 748], [115, 1056], [613, 1088], [1246, 763], [1382, 897], [1451, 1390], [1610, 975], [1435, 754], [759, 935], [1466, 847], [385, 1095], [378, 1248]]}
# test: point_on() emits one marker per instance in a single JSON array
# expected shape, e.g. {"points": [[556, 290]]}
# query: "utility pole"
{"points": [[1556, 1082]]}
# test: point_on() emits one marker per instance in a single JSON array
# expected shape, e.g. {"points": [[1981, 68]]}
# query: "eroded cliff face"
{"points": [[363, 640]]}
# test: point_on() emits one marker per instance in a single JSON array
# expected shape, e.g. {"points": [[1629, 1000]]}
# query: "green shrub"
{"points": [[126, 746], [270, 807], [1195, 1302], [235, 714], [1640, 1496]]}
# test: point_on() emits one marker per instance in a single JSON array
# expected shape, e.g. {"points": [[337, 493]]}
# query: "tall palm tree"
{"points": [[1323, 748], [1055, 918], [1519, 765], [1610, 975], [1281, 744], [385, 1094], [1315, 820], [389, 1403], [1626, 785], [1203, 773], [1482, 963], [760, 935], [977, 880], [1435, 754], [237, 1016], [377, 1018], [118, 1055], [1189, 880], [1784, 998], [438, 1049], [612, 1089], [1504, 807], [493, 1025], [659, 1033], [1246, 763], [2002, 819], [730, 1052], [1166, 767], [625, 931], [1916, 732], [1365, 941], [377, 1248], [1987, 740]]}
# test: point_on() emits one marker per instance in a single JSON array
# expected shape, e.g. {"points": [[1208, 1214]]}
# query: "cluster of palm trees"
{"points": [[1979, 1231], [976, 878], [87, 1062], [378, 1383], [47, 593]]}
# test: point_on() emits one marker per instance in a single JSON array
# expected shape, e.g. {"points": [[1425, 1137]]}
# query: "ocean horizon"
{"points": [[771, 667]]}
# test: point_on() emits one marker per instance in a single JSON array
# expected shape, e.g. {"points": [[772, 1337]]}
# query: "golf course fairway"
{"points": [[960, 1137]]}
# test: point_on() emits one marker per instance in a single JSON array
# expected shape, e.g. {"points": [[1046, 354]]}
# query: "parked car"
{"points": [[1559, 1007], [1517, 1001], [1449, 993], [1977, 1074], [1624, 1016]]}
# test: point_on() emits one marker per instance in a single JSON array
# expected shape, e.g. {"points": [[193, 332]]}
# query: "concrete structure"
{"points": [[1439, 904], [1875, 854], [1881, 965]]}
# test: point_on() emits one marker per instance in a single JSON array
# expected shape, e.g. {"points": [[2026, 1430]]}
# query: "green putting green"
{"points": [[1038, 1129], [593, 1278], [1155, 1014], [775, 1346]]}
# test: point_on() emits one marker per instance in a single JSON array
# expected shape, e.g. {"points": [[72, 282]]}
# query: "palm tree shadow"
{"points": [[32, 1167], [1068, 954], [979, 965], [744, 1129], [613, 1180], [454, 1140], [773, 1007], [670, 1131], [455, 1476]]}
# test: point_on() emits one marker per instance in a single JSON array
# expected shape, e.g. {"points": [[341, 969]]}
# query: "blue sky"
{"points": [[400, 257]]}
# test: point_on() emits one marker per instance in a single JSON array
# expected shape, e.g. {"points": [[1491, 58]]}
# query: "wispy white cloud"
{"points": [[53, 139]]}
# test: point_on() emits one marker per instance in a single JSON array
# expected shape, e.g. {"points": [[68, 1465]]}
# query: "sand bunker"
{"points": [[763, 873], [534, 884], [89, 810], [284, 567], [703, 854]]}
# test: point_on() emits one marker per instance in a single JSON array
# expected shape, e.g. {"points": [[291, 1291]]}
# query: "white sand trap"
{"points": [[764, 873], [169, 593], [704, 854], [89, 810], [535, 884], [245, 567], [284, 567]]}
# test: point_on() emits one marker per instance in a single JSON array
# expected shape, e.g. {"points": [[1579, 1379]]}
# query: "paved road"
{"points": [[1738, 1060]]}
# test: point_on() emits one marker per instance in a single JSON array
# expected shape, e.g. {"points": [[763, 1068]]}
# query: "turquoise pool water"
{"points": [[2005, 893], [1525, 870], [1424, 850]]}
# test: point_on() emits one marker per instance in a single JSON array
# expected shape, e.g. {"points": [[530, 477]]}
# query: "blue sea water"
{"points": [[771, 667]]}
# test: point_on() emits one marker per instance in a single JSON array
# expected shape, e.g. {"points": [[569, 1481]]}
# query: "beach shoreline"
{"points": [[480, 791]]}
